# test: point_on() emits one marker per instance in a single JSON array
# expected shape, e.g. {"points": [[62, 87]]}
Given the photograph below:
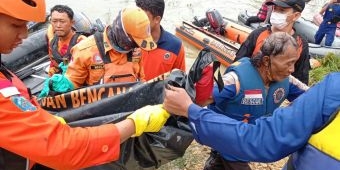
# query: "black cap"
{"points": [[297, 5]]}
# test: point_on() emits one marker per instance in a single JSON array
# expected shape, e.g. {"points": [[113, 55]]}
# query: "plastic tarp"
{"points": [[110, 103]]}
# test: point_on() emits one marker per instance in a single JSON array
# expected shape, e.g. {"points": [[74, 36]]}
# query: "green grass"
{"points": [[330, 63]]}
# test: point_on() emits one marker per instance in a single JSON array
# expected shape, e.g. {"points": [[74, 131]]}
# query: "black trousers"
{"points": [[216, 162], [253, 19]]}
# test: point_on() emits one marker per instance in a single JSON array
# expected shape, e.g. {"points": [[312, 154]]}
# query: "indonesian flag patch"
{"points": [[252, 97]]}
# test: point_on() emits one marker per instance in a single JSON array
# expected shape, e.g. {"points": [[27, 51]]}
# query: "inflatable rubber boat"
{"points": [[223, 48]]}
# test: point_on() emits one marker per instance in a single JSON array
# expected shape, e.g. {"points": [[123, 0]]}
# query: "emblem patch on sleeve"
{"points": [[23, 104]]}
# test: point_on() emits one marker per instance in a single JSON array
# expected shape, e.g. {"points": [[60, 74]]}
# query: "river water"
{"points": [[175, 11]]}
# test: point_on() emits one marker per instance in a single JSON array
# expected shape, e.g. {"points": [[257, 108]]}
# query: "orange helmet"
{"points": [[28, 10]]}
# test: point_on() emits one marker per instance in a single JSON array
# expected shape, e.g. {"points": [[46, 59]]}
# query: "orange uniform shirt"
{"points": [[31, 132], [87, 66], [168, 55]]}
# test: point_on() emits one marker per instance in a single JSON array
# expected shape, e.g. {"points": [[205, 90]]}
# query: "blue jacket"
{"points": [[322, 150], [253, 99], [270, 138]]}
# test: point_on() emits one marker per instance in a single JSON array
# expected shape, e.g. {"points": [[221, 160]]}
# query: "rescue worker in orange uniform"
{"points": [[61, 37], [169, 53], [107, 57], [30, 134]]}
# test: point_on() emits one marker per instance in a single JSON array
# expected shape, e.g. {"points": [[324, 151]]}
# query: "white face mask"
{"points": [[278, 20]]}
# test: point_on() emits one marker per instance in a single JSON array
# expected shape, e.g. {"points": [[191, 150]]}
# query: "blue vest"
{"points": [[253, 100], [323, 149]]}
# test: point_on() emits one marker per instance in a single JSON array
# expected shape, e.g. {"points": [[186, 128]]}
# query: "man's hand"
{"points": [[57, 83], [149, 119], [61, 120], [63, 66], [177, 101]]}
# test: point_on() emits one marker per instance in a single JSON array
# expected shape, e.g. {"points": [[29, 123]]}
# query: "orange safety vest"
{"points": [[56, 56], [8, 159], [117, 72]]}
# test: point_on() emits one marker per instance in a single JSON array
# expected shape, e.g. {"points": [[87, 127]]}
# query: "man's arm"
{"points": [[180, 59], [275, 137], [39, 136], [75, 76], [324, 7], [33, 133], [77, 70], [141, 73], [230, 90], [296, 88]]}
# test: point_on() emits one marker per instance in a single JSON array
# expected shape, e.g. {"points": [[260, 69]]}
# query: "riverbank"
{"points": [[196, 155]]}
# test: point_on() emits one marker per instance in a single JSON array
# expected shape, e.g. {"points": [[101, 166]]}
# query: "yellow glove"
{"points": [[158, 118], [62, 120], [149, 119]]}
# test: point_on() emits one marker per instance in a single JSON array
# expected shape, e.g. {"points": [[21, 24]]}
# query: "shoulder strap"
{"points": [[218, 78], [129, 56], [54, 48], [98, 36], [259, 40], [73, 42]]}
